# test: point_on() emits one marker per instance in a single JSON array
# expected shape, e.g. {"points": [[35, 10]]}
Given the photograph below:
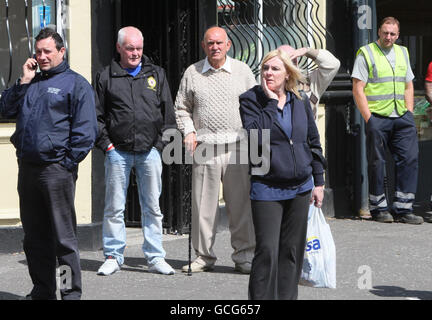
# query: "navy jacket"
{"points": [[55, 117], [292, 161]]}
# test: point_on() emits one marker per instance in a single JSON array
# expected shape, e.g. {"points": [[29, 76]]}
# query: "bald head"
{"points": [[290, 50], [287, 48], [216, 31], [216, 45]]}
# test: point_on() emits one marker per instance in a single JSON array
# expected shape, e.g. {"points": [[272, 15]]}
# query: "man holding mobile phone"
{"points": [[56, 127]]}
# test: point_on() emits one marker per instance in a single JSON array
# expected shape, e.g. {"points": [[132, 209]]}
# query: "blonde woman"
{"points": [[281, 197]]}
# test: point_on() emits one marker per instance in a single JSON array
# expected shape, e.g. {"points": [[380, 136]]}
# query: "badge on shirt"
{"points": [[151, 83]]}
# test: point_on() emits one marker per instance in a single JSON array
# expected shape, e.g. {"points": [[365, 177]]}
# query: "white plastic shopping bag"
{"points": [[319, 265]]}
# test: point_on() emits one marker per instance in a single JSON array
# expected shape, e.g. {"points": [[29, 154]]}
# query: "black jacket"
{"points": [[55, 117], [292, 161], [133, 112]]}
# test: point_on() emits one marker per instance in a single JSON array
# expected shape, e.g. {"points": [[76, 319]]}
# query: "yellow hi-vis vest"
{"points": [[385, 89]]}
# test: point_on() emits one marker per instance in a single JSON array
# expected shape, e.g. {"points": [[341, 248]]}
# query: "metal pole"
{"points": [[260, 21], [364, 33], [10, 43], [44, 13], [27, 29]]}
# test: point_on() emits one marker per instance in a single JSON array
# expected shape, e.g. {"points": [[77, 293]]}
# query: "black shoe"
{"points": [[383, 216], [408, 218], [428, 217]]}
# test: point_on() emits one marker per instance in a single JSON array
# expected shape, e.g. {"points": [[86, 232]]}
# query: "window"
{"points": [[21, 22]]}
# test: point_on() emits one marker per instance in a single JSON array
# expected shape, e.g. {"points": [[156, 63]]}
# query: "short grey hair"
{"points": [[122, 34]]}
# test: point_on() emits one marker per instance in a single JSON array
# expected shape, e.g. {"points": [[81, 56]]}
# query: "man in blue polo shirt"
{"points": [[134, 107]]}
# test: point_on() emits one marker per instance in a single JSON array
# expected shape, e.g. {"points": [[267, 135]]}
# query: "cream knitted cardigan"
{"points": [[208, 103]]}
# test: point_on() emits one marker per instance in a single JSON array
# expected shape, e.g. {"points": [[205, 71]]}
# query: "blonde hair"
{"points": [[294, 73]]}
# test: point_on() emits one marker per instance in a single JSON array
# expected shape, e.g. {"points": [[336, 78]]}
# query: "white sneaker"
{"points": [[161, 267], [109, 267]]}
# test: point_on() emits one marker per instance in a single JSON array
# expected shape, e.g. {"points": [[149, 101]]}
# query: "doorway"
{"points": [[171, 40]]}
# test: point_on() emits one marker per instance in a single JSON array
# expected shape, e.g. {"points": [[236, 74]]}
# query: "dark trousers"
{"points": [[280, 230], [48, 218], [400, 136]]}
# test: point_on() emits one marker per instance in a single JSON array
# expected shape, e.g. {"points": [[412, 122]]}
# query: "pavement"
{"points": [[375, 261]]}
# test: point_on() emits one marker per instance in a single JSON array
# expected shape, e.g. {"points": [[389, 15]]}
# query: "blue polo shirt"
{"points": [[134, 71], [263, 192]]}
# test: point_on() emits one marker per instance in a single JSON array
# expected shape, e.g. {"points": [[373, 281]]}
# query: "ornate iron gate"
{"points": [[256, 27], [171, 40]]}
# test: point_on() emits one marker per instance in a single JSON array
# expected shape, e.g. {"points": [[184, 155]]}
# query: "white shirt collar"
{"points": [[226, 66]]}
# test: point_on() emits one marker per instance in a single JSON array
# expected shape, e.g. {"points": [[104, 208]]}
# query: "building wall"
{"points": [[80, 58], [9, 203]]}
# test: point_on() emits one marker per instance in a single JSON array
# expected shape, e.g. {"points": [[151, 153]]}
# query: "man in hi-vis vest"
{"points": [[384, 94]]}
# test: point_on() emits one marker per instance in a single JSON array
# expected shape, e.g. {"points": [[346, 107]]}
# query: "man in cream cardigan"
{"points": [[207, 113]]}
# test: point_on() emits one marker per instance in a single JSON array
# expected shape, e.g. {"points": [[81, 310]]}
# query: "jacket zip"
{"points": [[134, 119], [394, 79], [292, 134], [294, 158], [291, 143]]}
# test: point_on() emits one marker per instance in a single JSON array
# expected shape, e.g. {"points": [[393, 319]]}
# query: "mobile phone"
{"points": [[36, 65]]}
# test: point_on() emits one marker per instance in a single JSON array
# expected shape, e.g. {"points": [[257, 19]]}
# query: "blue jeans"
{"points": [[148, 170]]}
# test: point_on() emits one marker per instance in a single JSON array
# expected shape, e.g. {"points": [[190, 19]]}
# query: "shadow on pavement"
{"points": [[140, 265], [9, 296], [24, 262], [398, 292]]}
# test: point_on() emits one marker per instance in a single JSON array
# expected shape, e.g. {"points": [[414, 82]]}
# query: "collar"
{"points": [[386, 50], [132, 70], [63, 66], [117, 70], [226, 66]]}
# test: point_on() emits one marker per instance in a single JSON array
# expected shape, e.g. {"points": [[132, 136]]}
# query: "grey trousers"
{"points": [[206, 179]]}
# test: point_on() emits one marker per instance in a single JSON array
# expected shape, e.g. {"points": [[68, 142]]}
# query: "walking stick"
{"points": [[187, 177], [189, 273], [190, 243]]}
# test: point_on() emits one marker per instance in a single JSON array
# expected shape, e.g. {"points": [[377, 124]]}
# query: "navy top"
{"points": [[284, 116], [264, 192]]}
